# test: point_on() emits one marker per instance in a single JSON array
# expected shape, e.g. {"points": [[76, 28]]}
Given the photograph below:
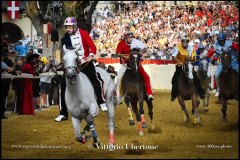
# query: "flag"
{"points": [[13, 9]]}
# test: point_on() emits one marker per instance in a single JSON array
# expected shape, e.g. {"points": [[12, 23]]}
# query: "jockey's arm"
{"points": [[175, 52], [235, 46], [123, 55], [177, 60], [210, 53]]}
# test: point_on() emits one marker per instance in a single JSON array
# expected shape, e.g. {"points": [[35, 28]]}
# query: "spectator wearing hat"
{"points": [[27, 107], [45, 85], [16, 82]]}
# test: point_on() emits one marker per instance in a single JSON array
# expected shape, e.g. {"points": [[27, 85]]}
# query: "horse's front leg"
{"points": [[206, 101], [96, 142], [184, 109], [130, 117], [224, 109], [77, 127], [196, 119], [141, 111]]}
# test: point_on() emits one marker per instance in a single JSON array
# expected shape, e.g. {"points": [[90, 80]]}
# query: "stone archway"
{"points": [[13, 32]]}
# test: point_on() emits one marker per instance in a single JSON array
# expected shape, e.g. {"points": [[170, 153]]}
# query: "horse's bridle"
{"points": [[200, 65], [186, 73], [229, 66], [76, 70], [130, 66]]}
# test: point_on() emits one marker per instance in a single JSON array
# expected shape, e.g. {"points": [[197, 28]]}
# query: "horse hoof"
{"points": [[224, 120], [131, 122], [81, 140], [96, 144], [111, 147], [205, 109], [186, 119], [144, 125], [141, 133], [196, 120]]}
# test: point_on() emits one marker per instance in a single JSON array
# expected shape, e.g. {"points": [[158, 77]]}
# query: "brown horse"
{"points": [[228, 82], [187, 91], [133, 90]]}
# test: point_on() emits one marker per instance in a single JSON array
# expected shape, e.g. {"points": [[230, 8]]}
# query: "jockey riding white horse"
{"points": [[81, 100]]}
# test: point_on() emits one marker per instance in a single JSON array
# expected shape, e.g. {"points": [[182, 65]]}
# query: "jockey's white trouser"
{"points": [[118, 79]]}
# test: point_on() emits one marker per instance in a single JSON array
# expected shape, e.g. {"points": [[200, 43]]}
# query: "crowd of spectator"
{"points": [[30, 94], [24, 45], [161, 27]]}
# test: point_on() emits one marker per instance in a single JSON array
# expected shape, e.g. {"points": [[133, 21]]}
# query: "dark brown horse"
{"points": [[228, 82], [187, 91], [133, 90]]}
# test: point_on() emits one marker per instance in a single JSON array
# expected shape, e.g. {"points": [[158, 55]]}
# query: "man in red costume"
{"points": [[27, 107]]}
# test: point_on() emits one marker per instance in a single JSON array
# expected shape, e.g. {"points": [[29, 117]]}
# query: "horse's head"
{"points": [[134, 59], [70, 65], [188, 70], [226, 61], [203, 65]]}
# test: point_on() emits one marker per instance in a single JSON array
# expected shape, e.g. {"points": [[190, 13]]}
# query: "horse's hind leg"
{"points": [[96, 142], [77, 127], [111, 123], [206, 101], [196, 119], [130, 117], [224, 109], [184, 109], [141, 111]]}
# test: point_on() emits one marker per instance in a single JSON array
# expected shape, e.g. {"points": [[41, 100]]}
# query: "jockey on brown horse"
{"points": [[123, 50]]}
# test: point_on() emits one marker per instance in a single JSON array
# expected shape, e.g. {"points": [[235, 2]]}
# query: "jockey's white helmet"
{"points": [[71, 21]]}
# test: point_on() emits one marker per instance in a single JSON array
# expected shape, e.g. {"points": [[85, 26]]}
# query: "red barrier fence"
{"points": [[148, 61]]}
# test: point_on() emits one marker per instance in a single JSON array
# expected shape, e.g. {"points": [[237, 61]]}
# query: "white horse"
{"points": [[204, 80], [81, 99]]}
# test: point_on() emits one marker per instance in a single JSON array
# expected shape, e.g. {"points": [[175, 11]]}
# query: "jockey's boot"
{"points": [[103, 107]]}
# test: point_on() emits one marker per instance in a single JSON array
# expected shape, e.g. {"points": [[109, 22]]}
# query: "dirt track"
{"points": [[177, 139]]}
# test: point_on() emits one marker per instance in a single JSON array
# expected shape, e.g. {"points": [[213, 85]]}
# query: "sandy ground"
{"points": [[28, 136]]}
